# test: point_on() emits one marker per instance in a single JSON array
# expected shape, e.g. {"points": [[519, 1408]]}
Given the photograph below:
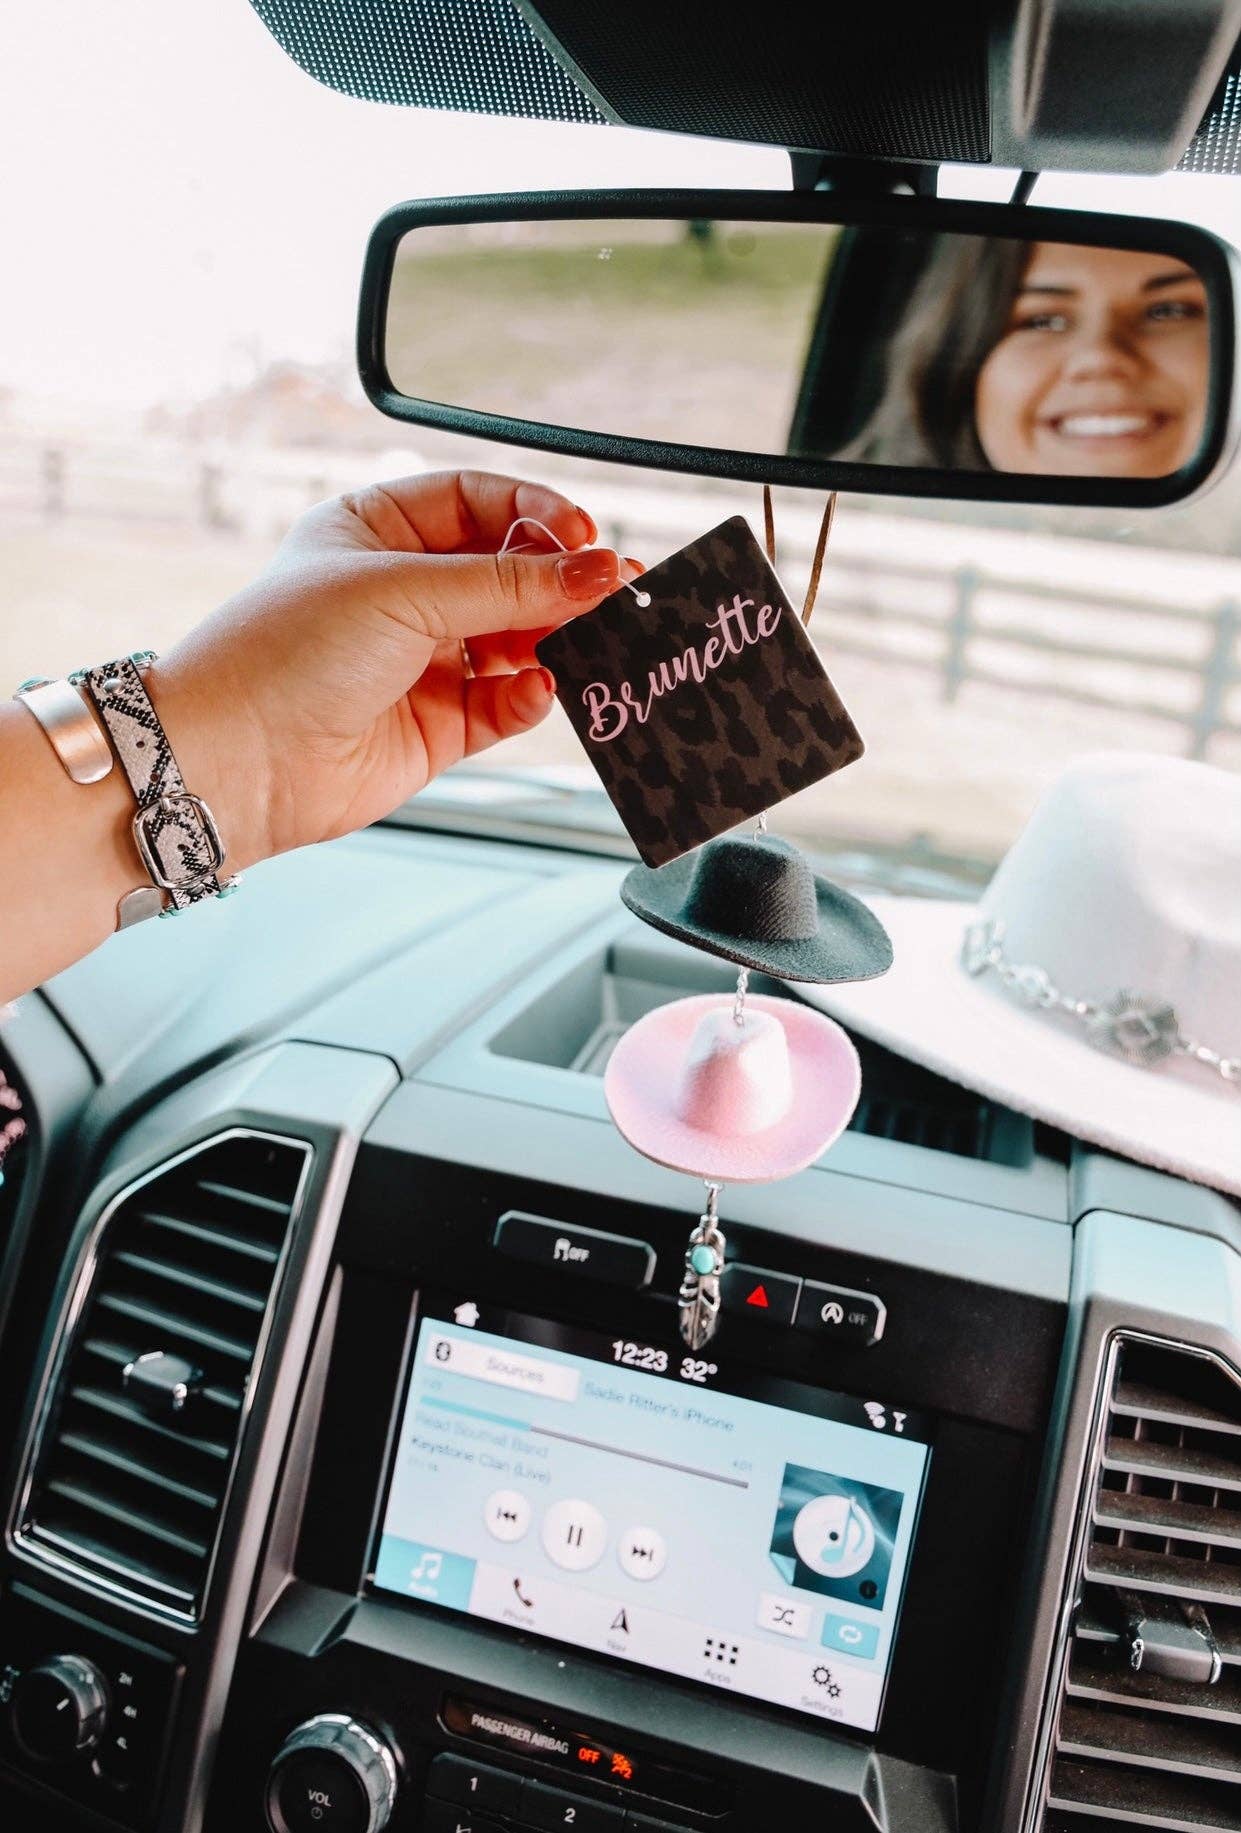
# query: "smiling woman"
{"points": [[1046, 359], [1101, 366]]}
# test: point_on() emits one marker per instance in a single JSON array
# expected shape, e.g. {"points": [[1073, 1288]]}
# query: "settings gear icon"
{"points": [[822, 1677]]}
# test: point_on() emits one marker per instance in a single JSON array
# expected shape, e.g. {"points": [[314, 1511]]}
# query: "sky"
{"points": [[180, 203]]}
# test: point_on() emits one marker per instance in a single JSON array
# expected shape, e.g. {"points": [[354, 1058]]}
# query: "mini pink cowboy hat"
{"points": [[735, 1103]]}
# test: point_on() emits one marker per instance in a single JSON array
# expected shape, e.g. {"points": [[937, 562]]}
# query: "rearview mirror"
{"points": [[898, 346]]}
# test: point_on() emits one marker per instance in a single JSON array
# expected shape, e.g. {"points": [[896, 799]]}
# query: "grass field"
{"points": [[705, 339]]}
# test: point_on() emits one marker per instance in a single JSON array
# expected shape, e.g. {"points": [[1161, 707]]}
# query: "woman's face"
{"points": [[1101, 370]]}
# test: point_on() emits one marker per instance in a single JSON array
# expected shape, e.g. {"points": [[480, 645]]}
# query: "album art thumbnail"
{"points": [[835, 1536]]}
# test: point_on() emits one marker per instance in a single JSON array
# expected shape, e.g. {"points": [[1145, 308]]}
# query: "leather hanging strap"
{"points": [[820, 546], [816, 565]]}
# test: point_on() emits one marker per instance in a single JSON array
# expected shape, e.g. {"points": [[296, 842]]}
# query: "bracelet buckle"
{"points": [[174, 808]]}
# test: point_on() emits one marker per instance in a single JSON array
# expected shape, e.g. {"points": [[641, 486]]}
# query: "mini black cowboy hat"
{"points": [[758, 903]]}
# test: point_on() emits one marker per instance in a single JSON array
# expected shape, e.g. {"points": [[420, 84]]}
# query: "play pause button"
{"points": [[641, 1552], [574, 1535]]}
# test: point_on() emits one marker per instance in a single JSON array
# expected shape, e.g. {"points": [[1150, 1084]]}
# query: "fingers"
{"points": [[501, 706], [503, 652], [444, 511], [442, 596]]}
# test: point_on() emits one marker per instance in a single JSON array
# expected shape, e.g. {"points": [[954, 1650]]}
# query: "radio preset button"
{"points": [[475, 1785], [551, 1809], [586, 1253], [454, 1817], [857, 1318]]}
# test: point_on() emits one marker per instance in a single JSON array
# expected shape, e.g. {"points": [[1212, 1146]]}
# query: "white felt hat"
{"points": [[1104, 952]]}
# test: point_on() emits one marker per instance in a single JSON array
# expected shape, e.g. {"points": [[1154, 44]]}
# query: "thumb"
{"points": [[444, 596]]}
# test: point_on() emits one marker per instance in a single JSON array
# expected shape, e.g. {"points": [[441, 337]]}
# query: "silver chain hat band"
{"points": [[1141, 1029]]}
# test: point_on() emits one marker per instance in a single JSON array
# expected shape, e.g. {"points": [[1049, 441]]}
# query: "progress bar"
{"points": [[641, 1457]]}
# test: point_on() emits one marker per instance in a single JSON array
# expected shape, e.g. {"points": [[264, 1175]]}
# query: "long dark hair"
{"points": [[956, 316]]}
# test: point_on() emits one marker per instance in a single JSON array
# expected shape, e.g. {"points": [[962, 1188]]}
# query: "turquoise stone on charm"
{"points": [[703, 1261]]}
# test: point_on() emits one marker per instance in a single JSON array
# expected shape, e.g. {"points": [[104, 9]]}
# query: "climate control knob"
{"points": [[332, 1775], [59, 1708]]}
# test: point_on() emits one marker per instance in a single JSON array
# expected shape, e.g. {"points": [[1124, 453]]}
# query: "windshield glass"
{"points": [[177, 383]]}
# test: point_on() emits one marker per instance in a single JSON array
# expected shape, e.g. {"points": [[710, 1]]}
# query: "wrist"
{"points": [[221, 754], [68, 852]]}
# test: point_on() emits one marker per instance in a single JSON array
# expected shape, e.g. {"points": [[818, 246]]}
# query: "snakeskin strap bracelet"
{"points": [[1142, 1029], [176, 832]]}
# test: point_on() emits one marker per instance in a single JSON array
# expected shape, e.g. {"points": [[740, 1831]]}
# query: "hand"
{"points": [[337, 684]]}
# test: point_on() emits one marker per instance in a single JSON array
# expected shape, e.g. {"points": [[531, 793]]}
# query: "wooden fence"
{"points": [[1146, 647]]}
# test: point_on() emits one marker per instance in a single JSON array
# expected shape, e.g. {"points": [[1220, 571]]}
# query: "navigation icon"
{"points": [[642, 1552], [467, 1314], [507, 1514], [620, 1621]]}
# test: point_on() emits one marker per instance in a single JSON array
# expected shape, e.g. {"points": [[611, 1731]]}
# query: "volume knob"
{"points": [[332, 1775], [59, 1708]]}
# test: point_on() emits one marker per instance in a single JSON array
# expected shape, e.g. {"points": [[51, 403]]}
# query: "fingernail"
{"points": [[589, 520], [548, 679], [590, 573], [635, 564]]}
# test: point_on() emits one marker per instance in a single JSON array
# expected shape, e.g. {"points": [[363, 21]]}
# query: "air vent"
{"points": [[901, 1100], [14, 1150], [1149, 1726], [146, 1409]]}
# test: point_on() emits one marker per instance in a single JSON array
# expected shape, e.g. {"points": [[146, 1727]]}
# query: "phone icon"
{"points": [[521, 1597]]}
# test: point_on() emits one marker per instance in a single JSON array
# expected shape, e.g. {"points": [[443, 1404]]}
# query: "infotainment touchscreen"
{"points": [[672, 1510]]}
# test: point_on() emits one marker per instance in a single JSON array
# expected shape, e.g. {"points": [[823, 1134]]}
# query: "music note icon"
{"points": [[428, 1569]]}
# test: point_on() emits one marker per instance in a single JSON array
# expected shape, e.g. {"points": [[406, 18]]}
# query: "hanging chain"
{"points": [[743, 987]]}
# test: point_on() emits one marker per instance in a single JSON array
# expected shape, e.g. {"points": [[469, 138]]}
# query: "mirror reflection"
{"points": [[896, 347]]}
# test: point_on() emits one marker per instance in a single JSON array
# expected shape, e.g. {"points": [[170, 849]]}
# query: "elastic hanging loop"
{"points": [[643, 598]]}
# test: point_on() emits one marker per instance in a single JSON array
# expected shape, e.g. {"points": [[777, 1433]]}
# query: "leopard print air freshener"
{"points": [[708, 704]]}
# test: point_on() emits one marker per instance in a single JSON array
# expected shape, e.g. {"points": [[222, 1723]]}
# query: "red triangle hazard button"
{"points": [[759, 1297]]}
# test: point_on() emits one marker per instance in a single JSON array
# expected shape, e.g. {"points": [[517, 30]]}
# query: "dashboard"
{"points": [[358, 1477]]}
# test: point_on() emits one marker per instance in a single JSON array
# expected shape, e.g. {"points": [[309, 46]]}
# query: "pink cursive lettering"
{"points": [[733, 633], [602, 707]]}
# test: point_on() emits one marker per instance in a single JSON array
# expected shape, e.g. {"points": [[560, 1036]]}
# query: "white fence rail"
{"points": [[1097, 623]]}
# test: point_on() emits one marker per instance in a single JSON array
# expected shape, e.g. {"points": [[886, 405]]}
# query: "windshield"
{"points": [[176, 384]]}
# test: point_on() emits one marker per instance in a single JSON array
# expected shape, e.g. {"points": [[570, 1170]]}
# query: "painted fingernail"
{"points": [[590, 573], [635, 564], [589, 520], [548, 679]]}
